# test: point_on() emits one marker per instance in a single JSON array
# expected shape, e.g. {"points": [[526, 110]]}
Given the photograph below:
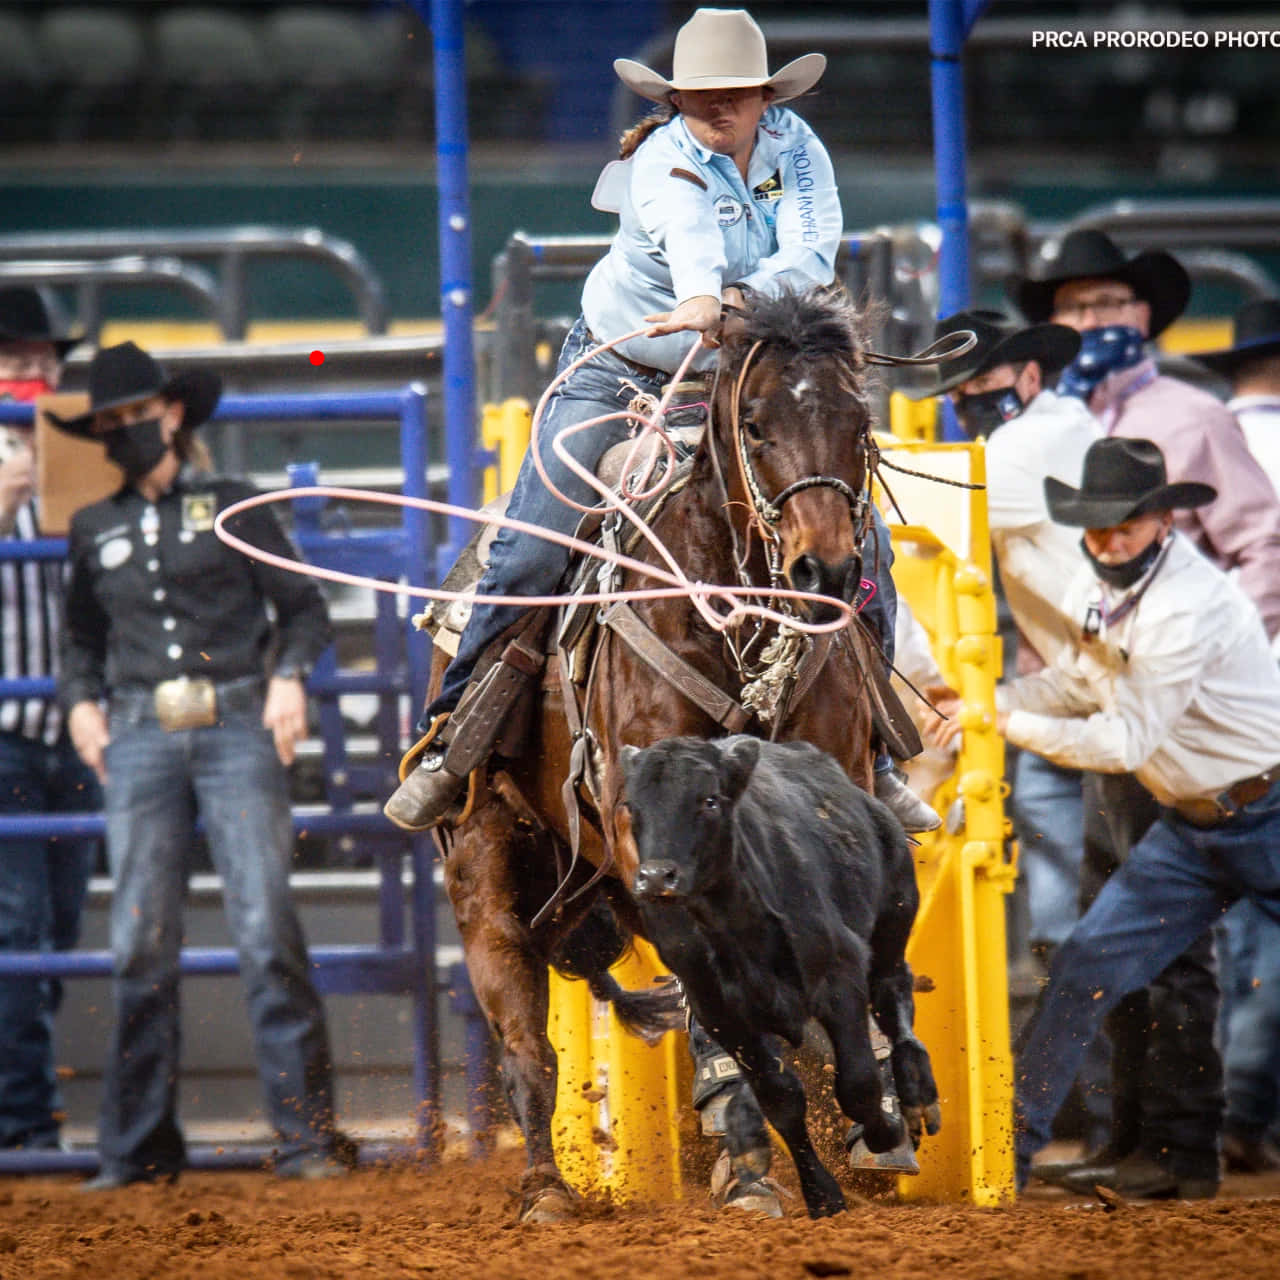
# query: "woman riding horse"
{"points": [[720, 190]]}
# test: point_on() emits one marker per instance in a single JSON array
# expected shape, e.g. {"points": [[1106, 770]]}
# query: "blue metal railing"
{"points": [[396, 964]]}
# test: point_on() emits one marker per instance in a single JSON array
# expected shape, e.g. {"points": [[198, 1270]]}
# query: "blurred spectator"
{"points": [[999, 392], [1251, 964], [1252, 366], [1167, 1089], [170, 625], [42, 882]]}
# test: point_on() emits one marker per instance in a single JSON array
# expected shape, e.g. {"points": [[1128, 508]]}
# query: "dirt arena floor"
{"points": [[458, 1219]]}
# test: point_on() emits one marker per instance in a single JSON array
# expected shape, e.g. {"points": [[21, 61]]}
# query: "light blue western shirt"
{"points": [[690, 226]]}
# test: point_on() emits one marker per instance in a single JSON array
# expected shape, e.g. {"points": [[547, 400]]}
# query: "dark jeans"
{"points": [[523, 565], [1048, 816], [1173, 886], [1167, 1094], [42, 888], [1251, 1020], [157, 783]]}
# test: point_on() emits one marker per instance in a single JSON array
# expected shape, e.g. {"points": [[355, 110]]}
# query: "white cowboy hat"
{"points": [[722, 49]]}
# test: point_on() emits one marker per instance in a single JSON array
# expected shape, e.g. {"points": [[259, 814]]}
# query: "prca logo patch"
{"points": [[728, 211]]}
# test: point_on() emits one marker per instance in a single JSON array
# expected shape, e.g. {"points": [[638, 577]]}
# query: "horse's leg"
{"points": [[509, 975]]}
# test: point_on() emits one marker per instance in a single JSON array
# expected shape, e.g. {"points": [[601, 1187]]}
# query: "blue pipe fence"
{"points": [[403, 960]]}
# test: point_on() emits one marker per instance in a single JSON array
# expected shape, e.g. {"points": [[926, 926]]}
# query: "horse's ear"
{"points": [[627, 758], [739, 755]]}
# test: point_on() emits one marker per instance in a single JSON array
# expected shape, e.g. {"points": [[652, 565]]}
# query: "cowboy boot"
{"points": [[891, 789], [429, 790], [435, 769]]}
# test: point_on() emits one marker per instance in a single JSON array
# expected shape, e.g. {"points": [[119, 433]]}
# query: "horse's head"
{"points": [[791, 428]]}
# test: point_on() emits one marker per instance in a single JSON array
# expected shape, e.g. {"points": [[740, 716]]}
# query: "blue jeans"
{"points": [[523, 565], [42, 888], [1176, 882], [1252, 1020], [1048, 816], [158, 781]]}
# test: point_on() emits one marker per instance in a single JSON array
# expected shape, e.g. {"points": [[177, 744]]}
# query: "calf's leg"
{"points": [[893, 1003], [858, 1088], [781, 1096]]}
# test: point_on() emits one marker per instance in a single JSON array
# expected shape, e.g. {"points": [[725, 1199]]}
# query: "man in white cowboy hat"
{"points": [[168, 628], [42, 882], [1118, 303], [719, 190], [1172, 679], [1002, 392]]}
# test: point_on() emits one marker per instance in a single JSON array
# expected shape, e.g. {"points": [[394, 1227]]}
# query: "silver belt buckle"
{"points": [[186, 703]]}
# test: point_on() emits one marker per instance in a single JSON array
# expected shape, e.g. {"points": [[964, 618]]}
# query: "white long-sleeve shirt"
{"points": [[1182, 690], [1037, 557], [690, 226], [1259, 419]]}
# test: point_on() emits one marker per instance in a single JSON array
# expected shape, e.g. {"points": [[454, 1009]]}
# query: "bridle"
{"points": [[765, 514]]}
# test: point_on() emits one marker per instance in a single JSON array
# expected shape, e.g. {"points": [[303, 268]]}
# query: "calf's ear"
{"points": [[739, 759]]}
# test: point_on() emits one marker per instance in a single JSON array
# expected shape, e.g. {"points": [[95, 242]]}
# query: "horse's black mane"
{"points": [[821, 322]]}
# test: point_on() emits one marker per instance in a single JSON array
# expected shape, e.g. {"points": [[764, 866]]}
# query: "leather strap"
{"points": [[479, 717], [723, 709]]}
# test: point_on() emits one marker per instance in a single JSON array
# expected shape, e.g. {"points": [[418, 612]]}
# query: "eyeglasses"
{"points": [[17, 365], [1104, 305]]}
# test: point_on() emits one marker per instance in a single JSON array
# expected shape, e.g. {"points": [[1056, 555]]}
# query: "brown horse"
{"points": [[775, 498]]}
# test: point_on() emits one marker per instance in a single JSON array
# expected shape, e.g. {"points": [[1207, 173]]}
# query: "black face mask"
{"points": [[1123, 576], [137, 448], [981, 414]]}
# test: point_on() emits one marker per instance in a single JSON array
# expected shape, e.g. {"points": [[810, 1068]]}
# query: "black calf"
{"points": [[777, 891]]}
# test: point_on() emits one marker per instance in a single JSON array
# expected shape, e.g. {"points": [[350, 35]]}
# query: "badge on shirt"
{"points": [[728, 211], [770, 188], [112, 554], [198, 510]]}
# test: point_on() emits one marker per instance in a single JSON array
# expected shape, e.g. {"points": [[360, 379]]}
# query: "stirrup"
{"points": [[413, 760]]}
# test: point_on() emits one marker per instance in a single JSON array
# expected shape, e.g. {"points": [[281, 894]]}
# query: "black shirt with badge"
{"points": [[154, 593]]}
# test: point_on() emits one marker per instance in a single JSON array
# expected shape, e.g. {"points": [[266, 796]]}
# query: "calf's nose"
{"points": [[657, 880]]}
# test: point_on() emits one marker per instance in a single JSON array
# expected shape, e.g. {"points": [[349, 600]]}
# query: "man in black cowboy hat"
{"points": [[1118, 304], [42, 882], [169, 626], [1165, 1064], [1252, 367], [1171, 679], [1001, 392]]}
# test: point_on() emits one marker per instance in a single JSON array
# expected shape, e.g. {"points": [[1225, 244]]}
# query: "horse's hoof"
{"points": [[901, 1160], [551, 1204], [753, 1195]]}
